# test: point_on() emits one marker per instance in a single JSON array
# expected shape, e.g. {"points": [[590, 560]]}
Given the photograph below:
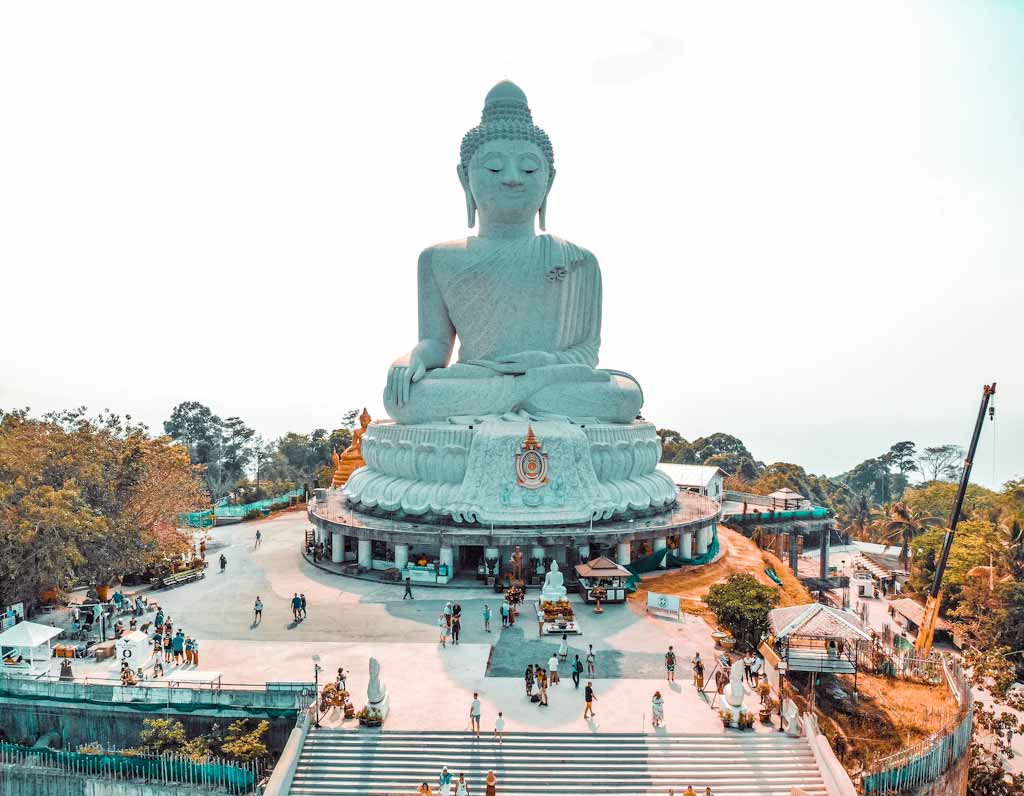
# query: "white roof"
{"points": [[134, 637], [28, 634], [194, 676], [691, 474], [786, 494]]}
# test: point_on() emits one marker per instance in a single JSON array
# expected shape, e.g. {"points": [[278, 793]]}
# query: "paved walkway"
{"points": [[431, 687]]}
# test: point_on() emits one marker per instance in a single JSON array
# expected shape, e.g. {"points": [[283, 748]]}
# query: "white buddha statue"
{"points": [[553, 590]]}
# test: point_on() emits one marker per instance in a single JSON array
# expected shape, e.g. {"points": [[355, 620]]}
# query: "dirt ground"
{"points": [[889, 714], [740, 555]]}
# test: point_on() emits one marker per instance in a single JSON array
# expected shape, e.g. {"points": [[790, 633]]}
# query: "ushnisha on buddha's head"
{"points": [[506, 164]]}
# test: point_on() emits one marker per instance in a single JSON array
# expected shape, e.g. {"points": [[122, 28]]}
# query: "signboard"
{"points": [[8, 614], [667, 603]]}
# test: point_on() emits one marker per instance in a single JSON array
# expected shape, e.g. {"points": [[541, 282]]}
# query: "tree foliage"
{"points": [[86, 498], [245, 744], [741, 607]]}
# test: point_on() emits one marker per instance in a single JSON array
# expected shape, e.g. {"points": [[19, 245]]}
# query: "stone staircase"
{"points": [[346, 762]]}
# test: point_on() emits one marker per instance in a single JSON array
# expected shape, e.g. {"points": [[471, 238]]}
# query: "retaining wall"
{"points": [[31, 781]]}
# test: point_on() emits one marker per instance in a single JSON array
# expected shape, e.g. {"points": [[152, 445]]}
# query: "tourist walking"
{"points": [[302, 605], [456, 628], [698, 671], [195, 652], [504, 614], [553, 668], [657, 710], [339, 680], [444, 781], [487, 617], [588, 698], [591, 661], [755, 668], [474, 714], [167, 647], [499, 727], [257, 611], [259, 537], [223, 563], [442, 626], [408, 588], [542, 686], [462, 787], [296, 606], [528, 677], [670, 665], [448, 612], [490, 784], [563, 648], [188, 650], [577, 670], [178, 645]]}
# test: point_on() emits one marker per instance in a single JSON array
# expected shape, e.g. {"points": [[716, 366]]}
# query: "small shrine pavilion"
{"points": [[605, 573]]}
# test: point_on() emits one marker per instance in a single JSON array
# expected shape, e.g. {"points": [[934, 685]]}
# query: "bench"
{"points": [[178, 578]]}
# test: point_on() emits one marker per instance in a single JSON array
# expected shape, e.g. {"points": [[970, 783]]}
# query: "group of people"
{"points": [[447, 785], [691, 792], [170, 646], [449, 622]]}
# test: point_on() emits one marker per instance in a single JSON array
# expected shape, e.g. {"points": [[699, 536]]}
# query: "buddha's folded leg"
{"points": [[443, 394], [614, 399]]}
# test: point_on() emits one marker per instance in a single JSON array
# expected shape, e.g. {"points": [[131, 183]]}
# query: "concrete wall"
{"points": [[111, 726], [32, 781]]}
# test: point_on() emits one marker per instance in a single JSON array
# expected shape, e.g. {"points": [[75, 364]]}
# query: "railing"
{"points": [[168, 769], [926, 761], [200, 519], [333, 507], [275, 698]]}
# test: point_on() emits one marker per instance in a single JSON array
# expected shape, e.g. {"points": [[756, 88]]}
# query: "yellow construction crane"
{"points": [[931, 610]]}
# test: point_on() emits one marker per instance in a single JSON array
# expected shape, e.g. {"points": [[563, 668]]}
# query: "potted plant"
{"points": [[726, 717], [746, 720], [369, 717], [491, 565], [598, 593]]}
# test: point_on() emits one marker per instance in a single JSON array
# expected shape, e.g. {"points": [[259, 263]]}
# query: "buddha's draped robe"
{"points": [[537, 295]]}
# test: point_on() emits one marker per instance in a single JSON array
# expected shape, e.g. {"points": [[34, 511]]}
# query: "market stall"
{"points": [[25, 648]]}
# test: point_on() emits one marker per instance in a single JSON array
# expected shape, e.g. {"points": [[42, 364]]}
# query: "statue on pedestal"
{"points": [[553, 590], [352, 459], [517, 564], [376, 694]]}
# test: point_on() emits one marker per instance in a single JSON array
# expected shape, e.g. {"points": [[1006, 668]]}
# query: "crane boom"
{"points": [[931, 611]]}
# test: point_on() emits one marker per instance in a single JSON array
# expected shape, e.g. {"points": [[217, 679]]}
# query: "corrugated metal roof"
{"points": [[691, 474], [816, 620]]}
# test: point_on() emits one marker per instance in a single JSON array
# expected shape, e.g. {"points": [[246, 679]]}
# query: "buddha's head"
{"points": [[507, 165]]}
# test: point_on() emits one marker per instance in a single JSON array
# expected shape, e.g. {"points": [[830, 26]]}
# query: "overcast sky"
{"points": [[808, 220]]}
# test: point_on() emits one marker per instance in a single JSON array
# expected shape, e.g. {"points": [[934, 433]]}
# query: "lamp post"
{"points": [[783, 667], [317, 668]]}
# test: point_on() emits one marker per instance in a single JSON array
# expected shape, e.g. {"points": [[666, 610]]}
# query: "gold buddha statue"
{"points": [[352, 458]]}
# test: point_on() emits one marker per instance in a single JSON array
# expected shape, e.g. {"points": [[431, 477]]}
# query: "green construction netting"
{"points": [[653, 561], [204, 519], [815, 513], [231, 778]]}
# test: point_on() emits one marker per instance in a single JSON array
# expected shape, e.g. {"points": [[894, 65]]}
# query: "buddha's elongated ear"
{"points": [[470, 201], [542, 213]]}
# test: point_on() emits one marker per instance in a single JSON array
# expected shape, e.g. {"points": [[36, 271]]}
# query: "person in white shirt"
{"points": [[474, 715], [553, 668], [499, 727]]}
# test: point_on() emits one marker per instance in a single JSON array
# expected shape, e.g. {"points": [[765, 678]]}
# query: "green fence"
{"points": [[217, 774], [816, 513], [205, 519]]}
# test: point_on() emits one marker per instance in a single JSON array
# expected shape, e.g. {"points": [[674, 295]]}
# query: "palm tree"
{"points": [[907, 524]]}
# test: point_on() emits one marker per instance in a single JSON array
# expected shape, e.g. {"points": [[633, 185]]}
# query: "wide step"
{"points": [[360, 763]]}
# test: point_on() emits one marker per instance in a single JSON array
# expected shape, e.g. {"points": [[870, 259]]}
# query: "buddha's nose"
{"points": [[513, 183]]}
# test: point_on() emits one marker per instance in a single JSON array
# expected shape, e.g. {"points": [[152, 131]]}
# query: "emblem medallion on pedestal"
{"points": [[531, 463]]}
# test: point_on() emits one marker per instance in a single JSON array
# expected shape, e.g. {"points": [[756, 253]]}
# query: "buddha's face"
{"points": [[508, 180]]}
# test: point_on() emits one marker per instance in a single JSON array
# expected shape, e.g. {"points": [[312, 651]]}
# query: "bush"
{"points": [[741, 606], [244, 744]]}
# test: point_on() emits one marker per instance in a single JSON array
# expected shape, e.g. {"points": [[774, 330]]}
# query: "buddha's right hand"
{"points": [[401, 376]]}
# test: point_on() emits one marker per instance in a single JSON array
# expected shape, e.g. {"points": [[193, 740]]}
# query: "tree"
{"points": [[741, 607], [222, 447], [244, 744], [86, 497], [906, 525], [935, 499], [976, 543], [941, 462], [160, 736]]}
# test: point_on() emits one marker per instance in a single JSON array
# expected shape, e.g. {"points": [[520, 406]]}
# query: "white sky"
{"points": [[808, 219]]}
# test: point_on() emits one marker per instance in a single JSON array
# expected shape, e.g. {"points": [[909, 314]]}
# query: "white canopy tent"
{"points": [[26, 647]]}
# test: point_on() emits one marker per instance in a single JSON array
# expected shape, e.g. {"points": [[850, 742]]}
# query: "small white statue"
{"points": [[553, 590], [734, 693], [375, 691]]}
